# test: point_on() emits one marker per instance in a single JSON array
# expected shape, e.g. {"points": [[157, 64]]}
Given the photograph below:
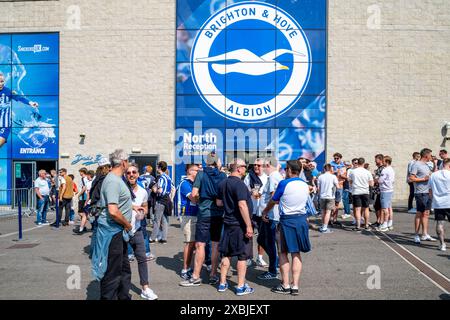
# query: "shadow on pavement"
{"points": [[444, 296], [175, 263], [93, 291]]}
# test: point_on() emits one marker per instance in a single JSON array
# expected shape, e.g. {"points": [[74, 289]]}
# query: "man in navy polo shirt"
{"points": [[236, 240], [293, 230]]}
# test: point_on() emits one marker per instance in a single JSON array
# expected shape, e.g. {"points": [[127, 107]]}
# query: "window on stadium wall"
{"points": [[29, 99], [250, 80]]}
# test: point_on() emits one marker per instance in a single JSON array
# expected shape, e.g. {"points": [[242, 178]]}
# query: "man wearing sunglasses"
{"points": [[256, 181], [137, 244], [339, 169]]}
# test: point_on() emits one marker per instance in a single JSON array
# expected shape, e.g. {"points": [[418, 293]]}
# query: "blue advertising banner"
{"points": [[251, 79], [29, 99]]}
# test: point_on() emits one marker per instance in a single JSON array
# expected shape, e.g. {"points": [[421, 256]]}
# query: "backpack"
{"points": [[94, 207]]}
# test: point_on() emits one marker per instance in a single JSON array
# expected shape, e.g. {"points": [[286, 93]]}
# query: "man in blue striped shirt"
{"points": [[163, 203], [6, 95]]}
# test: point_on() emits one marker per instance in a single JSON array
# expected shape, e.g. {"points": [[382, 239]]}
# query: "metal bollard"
{"points": [[57, 210], [20, 215]]}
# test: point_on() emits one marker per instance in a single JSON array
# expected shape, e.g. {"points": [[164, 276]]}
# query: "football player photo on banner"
{"points": [[255, 71], [29, 97]]}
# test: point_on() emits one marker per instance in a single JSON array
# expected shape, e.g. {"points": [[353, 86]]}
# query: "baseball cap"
{"points": [[212, 159], [103, 162]]}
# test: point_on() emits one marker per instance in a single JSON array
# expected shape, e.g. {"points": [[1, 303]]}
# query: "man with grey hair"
{"points": [[42, 188], [110, 263], [256, 181]]}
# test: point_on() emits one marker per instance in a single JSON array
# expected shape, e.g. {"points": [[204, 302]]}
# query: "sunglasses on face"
{"points": [[131, 172], [257, 165]]}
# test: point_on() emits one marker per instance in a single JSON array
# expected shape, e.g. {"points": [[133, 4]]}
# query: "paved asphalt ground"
{"points": [[336, 268]]}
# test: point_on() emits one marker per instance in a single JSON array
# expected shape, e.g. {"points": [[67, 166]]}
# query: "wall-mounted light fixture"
{"points": [[136, 150]]}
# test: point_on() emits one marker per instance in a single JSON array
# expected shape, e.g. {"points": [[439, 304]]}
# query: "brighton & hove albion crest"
{"points": [[250, 62]]}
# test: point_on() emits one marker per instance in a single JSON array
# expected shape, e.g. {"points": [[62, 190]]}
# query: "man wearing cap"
{"points": [[209, 219]]}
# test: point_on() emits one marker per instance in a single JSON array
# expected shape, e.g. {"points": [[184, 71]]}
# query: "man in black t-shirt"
{"points": [[237, 235]]}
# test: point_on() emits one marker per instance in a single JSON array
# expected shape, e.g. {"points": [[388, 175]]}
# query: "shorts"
{"points": [[208, 228], [188, 225], [4, 133], [327, 204], [386, 200], [439, 214], [235, 243], [361, 201], [338, 195], [423, 202], [377, 205], [81, 206], [256, 222]]}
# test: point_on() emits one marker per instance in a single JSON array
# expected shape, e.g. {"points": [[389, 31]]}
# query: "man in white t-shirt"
{"points": [[440, 191], [256, 182], [360, 181], [386, 184], [140, 209], [327, 185], [267, 235], [42, 188]]}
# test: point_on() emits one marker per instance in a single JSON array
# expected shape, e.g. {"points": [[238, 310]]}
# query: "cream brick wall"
{"points": [[388, 88]]}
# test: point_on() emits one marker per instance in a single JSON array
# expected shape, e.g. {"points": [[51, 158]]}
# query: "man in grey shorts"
{"points": [[420, 174], [327, 185]]}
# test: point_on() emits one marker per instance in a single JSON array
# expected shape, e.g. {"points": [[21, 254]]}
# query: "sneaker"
{"points": [[213, 280], [357, 229], [391, 228], [267, 276], [131, 257], [375, 225], [150, 257], [39, 223], [163, 241], [294, 291], [245, 289], [249, 262], [148, 294], [153, 241], [413, 211], [281, 290], [222, 287], [261, 263], [186, 275], [442, 247], [382, 229], [46, 223], [327, 230], [191, 282], [71, 223], [417, 239], [427, 237]]}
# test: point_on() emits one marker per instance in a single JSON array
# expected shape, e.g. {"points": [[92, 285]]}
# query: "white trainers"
{"points": [[417, 239], [442, 247], [427, 237], [148, 294], [261, 263], [71, 223], [413, 210]]}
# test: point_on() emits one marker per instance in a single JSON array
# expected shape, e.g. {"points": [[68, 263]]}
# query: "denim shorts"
{"points": [[386, 200], [338, 195], [423, 202]]}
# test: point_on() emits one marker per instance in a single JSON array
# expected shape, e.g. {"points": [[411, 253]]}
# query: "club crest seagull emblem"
{"points": [[250, 62]]}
